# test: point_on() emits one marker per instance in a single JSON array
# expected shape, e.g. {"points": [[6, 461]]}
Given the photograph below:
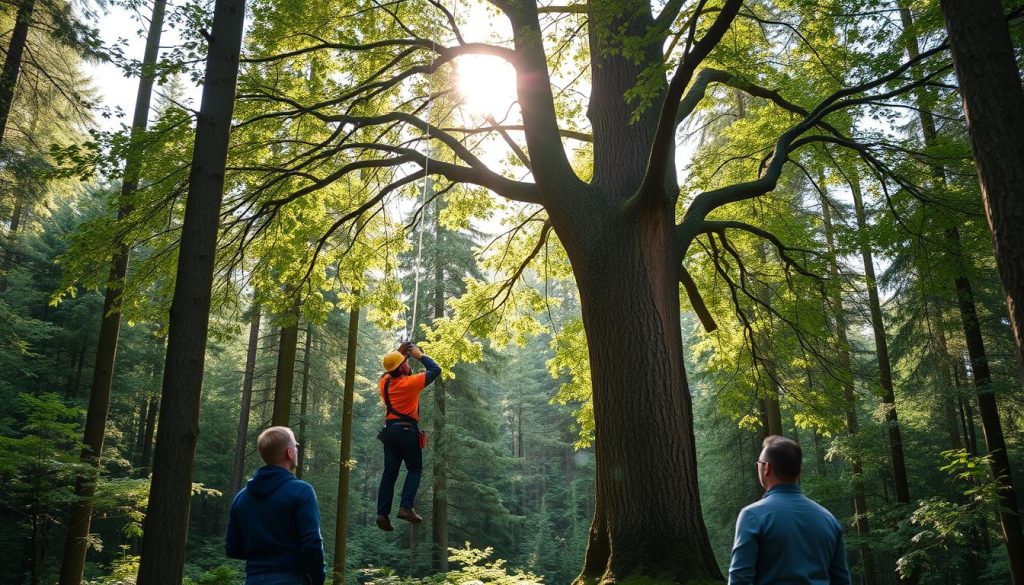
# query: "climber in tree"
{"points": [[403, 440]]}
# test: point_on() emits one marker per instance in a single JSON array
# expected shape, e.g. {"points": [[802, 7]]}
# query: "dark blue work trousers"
{"points": [[401, 443]]}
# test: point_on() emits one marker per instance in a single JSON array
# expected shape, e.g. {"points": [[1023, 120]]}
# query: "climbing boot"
{"points": [[384, 523], [409, 515]]}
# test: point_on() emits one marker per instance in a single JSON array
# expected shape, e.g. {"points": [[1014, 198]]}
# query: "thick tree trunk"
{"points": [[986, 66], [303, 402], [896, 456], [80, 515], [345, 469], [285, 379], [166, 524], [238, 471], [648, 521], [12, 64], [439, 522], [860, 506]]}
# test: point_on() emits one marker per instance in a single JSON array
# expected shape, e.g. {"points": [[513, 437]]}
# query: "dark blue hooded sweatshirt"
{"points": [[274, 526]]}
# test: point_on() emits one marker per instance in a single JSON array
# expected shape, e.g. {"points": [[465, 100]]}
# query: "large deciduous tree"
{"points": [[625, 226]]}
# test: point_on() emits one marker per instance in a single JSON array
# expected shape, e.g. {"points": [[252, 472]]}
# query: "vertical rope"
{"points": [[423, 200]]}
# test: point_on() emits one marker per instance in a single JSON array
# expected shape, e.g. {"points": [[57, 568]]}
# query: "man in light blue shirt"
{"points": [[786, 538]]}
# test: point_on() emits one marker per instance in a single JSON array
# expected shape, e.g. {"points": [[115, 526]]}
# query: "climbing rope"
{"points": [[411, 330]]}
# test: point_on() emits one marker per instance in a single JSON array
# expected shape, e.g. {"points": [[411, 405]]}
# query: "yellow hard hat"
{"points": [[392, 360]]}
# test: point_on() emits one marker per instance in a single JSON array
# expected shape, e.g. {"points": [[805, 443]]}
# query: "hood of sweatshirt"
{"points": [[267, 480]]}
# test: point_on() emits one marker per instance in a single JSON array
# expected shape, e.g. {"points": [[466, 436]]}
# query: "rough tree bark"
{"points": [[986, 67], [238, 470], [345, 469], [80, 515], [166, 525]]}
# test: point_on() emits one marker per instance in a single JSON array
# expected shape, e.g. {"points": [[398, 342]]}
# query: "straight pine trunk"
{"points": [[12, 237], [147, 445], [304, 402], [896, 456], [345, 469], [1009, 516], [238, 471], [773, 410], [166, 525], [80, 515]]}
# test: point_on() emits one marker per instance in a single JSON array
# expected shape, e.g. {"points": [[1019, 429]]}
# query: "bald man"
{"points": [[274, 523]]}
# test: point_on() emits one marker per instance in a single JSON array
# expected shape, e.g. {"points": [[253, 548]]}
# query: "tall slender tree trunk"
{"points": [[238, 471], [772, 408], [896, 456], [860, 506], [285, 380], [345, 469], [150, 433], [991, 425], [986, 66], [166, 525], [12, 64], [80, 515], [141, 430], [439, 524], [929, 132], [303, 402]]}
